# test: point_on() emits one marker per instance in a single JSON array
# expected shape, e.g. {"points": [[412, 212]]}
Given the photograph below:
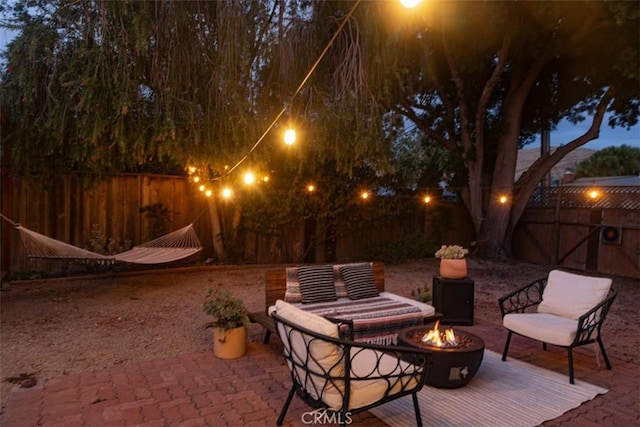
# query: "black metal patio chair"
{"points": [[342, 377], [564, 309]]}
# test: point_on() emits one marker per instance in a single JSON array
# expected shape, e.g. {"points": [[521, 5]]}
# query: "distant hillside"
{"points": [[527, 156]]}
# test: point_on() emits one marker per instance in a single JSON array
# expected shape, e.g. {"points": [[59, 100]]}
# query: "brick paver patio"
{"points": [[200, 390]]}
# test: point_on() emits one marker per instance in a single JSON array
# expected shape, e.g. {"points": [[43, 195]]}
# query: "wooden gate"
{"points": [[581, 228]]}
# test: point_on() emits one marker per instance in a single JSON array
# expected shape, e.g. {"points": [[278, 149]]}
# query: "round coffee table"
{"points": [[449, 367]]}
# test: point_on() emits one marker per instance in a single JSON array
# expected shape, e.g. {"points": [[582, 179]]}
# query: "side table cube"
{"points": [[454, 298]]}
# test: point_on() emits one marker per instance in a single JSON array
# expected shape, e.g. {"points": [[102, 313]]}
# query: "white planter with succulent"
{"points": [[453, 264]]}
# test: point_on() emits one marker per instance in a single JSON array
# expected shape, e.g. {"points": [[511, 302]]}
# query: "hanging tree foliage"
{"points": [[107, 86]]}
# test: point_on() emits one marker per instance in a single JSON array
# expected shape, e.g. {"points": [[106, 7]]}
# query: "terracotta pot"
{"points": [[229, 344], [453, 268]]}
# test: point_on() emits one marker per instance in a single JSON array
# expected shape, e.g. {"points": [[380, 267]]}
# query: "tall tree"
{"points": [[481, 77]]}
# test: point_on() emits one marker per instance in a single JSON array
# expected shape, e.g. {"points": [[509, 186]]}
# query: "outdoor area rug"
{"points": [[502, 394]]}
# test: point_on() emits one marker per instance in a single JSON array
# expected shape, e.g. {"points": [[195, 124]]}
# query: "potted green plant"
{"points": [[422, 294], [230, 320], [453, 265]]}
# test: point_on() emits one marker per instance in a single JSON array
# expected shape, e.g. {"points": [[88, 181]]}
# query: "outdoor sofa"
{"points": [[352, 291]]}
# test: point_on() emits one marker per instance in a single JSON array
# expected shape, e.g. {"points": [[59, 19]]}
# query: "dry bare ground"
{"points": [[66, 326]]}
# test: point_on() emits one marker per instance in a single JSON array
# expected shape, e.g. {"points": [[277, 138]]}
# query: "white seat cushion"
{"points": [[572, 295], [543, 327], [367, 391]]}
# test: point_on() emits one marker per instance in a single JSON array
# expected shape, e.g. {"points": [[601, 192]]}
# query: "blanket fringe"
{"points": [[382, 340]]}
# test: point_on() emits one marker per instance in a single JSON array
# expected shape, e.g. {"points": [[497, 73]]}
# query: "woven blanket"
{"points": [[375, 320]]}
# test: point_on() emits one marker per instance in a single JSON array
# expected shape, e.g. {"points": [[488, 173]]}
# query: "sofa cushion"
{"points": [[572, 295], [316, 283], [359, 281], [322, 356]]}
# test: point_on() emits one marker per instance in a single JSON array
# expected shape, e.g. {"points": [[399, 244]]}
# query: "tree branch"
{"points": [[543, 164]]}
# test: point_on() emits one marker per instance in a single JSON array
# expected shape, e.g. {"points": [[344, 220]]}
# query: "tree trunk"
{"points": [[219, 252]]}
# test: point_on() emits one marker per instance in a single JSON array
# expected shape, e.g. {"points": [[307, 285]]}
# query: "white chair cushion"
{"points": [[324, 356], [543, 327], [572, 295], [363, 363]]}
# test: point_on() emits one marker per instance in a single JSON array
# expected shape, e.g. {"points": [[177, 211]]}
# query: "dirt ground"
{"points": [[67, 326]]}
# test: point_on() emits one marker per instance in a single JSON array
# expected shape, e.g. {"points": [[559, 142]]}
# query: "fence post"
{"points": [[556, 226]]}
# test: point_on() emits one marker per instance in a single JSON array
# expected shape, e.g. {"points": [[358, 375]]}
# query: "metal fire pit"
{"points": [[449, 367]]}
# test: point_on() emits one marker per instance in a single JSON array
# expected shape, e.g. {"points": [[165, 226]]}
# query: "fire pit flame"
{"points": [[442, 339]]}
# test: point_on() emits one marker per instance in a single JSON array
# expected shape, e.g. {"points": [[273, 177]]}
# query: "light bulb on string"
{"points": [[409, 3], [249, 178], [290, 136]]}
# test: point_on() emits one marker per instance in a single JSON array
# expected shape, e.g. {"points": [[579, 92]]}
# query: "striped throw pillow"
{"points": [[316, 283], [359, 281]]}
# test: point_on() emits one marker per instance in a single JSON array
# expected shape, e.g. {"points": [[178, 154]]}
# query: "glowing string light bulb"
{"points": [[311, 188], [503, 200], [226, 193], [249, 178], [409, 3], [364, 195], [427, 199], [289, 136]]}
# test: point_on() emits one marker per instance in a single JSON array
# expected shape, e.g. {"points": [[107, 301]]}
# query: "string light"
{"points": [[249, 178], [208, 193], [290, 136], [311, 188], [427, 199], [364, 195], [226, 193], [503, 199], [594, 194], [202, 187], [409, 3]]}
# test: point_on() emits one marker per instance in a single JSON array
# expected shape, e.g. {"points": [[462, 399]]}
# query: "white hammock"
{"points": [[173, 246]]}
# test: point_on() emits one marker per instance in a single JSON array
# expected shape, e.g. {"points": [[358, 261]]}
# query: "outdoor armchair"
{"points": [[563, 309], [339, 377]]}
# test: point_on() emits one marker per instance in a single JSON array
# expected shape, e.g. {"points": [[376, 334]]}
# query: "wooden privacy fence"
{"points": [[561, 226], [571, 227]]}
